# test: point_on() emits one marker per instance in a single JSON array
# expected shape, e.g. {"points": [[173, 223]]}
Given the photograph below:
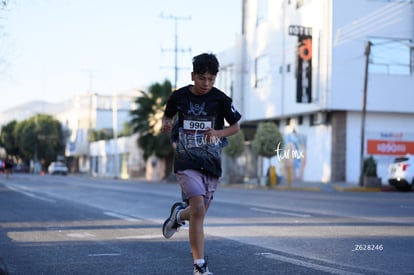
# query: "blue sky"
{"points": [[55, 49]]}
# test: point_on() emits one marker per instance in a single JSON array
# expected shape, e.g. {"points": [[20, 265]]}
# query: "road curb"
{"points": [[324, 188], [357, 189], [290, 188], [281, 188]]}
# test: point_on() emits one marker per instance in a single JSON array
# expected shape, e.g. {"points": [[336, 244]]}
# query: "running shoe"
{"points": [[171, 225], [201, 270]]}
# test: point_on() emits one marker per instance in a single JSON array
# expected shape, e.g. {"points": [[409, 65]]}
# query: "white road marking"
{"points": [[80, 235], [104, 254], [314, 266], [280, 212], [19, 189], [140, 237], [120, 216]]}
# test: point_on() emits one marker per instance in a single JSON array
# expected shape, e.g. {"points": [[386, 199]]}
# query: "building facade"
{"points": [[337, 80], [117, 158], [93, 112]]}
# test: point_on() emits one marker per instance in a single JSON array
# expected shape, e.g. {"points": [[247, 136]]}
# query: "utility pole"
{"points": [[116, 158], [3, 6], [176, 49], [36, 148], [91, 76], [364, 111], [91, 97]]}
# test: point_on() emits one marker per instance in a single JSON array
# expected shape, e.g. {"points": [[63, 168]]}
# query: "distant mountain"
{"points": [[26, 110]]}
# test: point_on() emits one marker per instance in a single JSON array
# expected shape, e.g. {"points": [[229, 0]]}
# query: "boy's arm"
{"points": [[228, 131], [166, 125], [169, 112]]}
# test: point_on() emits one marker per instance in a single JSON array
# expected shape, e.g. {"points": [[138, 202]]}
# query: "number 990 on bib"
{"points": [[200, 125]]}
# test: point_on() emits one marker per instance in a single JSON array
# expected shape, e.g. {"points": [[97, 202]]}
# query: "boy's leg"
{"points": [[197, 212], [197, 189]]}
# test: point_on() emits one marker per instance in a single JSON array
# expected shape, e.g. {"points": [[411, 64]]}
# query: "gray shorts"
{"points": [[194, 183]]}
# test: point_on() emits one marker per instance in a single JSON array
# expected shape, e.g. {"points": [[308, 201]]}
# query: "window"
{"points": [[391, 56], [261, 71], [104, 103], [300, 120], [225, 80]]}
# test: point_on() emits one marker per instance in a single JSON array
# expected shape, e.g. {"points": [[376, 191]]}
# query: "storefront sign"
{"points": [[386, 147], [303, 63], [390, 143]]}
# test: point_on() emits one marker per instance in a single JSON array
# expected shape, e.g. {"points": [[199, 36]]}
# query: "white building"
{"points": [[117, 158], [302, 64], [91, 111]]}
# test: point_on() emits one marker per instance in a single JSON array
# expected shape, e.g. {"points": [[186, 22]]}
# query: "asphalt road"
{"points": [[81, 225]]}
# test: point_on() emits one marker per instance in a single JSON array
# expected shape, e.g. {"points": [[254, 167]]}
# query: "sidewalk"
{"points": [[298, 186], [316, 187]]}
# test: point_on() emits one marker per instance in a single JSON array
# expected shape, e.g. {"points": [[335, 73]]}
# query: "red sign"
{"points": [[387, 147]]}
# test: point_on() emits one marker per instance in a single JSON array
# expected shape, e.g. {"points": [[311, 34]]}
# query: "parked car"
{"points": [[57, 167], [401, 173]]}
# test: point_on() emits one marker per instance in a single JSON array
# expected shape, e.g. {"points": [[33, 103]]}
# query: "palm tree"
{"points": [[147, 120]]}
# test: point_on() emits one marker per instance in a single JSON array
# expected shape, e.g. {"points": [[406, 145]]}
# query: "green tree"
{"points": [[234, 149], [147, 121], [8, 140], [39, 136], [101, 134], [126, 129], [266, 140], [370, 167], [26, 139]]}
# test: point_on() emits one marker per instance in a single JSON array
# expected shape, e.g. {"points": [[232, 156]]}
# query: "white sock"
{"points": [[179, 221], [199, 262]]}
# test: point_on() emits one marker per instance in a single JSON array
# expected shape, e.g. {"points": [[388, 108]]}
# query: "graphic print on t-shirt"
{"points": [[192, 139], [197, 109]]}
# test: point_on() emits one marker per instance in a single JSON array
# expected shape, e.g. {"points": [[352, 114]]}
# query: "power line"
{"points": [[176, 50], [387, 15]]}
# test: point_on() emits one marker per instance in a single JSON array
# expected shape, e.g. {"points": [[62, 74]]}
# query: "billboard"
{"points": [[303, 63], [390, 143]]}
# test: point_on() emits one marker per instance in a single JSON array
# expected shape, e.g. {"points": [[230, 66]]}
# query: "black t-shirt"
{"points": [[197, 113]]}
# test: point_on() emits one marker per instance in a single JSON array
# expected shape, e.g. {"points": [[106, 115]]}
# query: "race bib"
{"points": [[197, 123], [192, 136]]}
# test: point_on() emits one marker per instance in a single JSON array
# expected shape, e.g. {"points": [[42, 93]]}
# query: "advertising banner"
{"points": [[390, 143], [303, 63]]}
